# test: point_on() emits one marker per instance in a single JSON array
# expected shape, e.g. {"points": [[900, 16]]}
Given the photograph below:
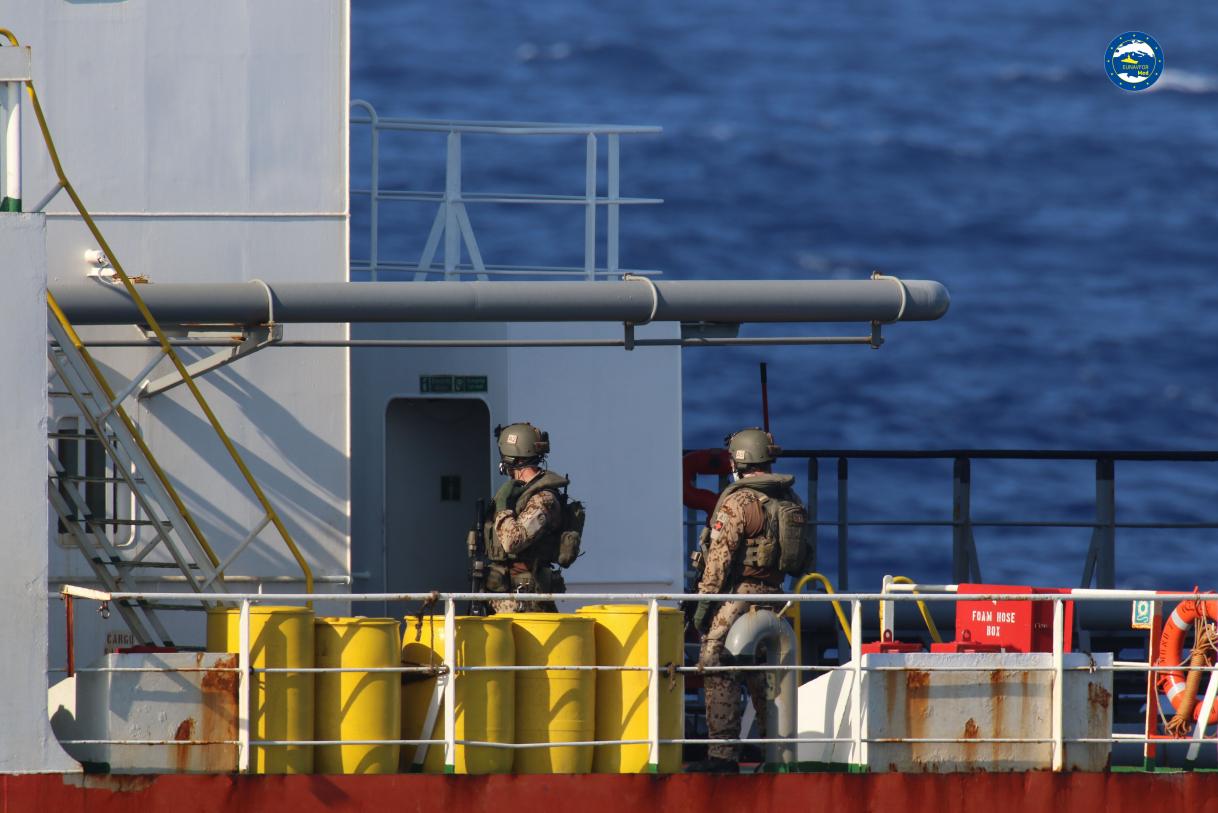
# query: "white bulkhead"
{"points": [[210, 142]]}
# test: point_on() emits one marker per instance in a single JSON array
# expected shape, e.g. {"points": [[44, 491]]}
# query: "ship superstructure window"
{"points": [[89, 473]]}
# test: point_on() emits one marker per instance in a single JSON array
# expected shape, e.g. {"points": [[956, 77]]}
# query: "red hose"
{"points": [[702, 461]]}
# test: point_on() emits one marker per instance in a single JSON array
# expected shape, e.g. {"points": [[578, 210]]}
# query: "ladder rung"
{"points": [[83, 478], [141, 564], [125, 522], [77, 436]]}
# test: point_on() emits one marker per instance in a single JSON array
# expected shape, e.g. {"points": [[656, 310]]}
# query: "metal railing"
{"points": [[452, 223], [856, 667], [1099, 565]]}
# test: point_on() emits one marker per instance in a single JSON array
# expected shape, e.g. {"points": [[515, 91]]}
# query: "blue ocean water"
{"points": [[981, 145]]}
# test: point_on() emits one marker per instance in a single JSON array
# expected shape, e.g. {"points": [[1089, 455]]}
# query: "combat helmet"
{"points": [[751, 447], [521, 444]]}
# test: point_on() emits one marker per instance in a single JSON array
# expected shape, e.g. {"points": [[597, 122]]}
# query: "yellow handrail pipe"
{"points": [[930, 622], [166, 347]]}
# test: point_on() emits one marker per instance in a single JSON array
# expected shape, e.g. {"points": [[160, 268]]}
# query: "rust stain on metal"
{"points": [[181, 753], [971, 731], [1098, 696], [998, 690], [219, 721], [917, 711], [186, 730], [217, 679]]}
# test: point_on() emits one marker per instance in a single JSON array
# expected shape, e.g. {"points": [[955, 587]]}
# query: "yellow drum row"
{"points": [[351, 706], [551, 704], [546, 705]]}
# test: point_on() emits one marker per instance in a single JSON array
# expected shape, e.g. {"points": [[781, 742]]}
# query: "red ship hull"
{"points": [[940, 793]]}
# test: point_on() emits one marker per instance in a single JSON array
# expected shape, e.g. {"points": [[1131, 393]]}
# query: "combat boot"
{"points": [[713, 765]]}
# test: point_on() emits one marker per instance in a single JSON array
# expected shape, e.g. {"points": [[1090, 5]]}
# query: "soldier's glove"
{"points": [[702, 617], [504, 496]]}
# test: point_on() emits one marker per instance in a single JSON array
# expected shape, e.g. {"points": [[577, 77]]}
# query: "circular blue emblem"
{"points": [[1134, 61]]}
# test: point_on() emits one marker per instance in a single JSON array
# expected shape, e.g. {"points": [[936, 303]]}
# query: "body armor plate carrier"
{"points": [[559, 546], [783, 543]]}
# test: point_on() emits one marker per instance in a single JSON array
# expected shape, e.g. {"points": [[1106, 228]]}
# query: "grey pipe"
{"points": [[874, 300], [763, 629]]}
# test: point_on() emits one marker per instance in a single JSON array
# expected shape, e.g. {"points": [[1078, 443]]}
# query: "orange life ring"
{"points": [[702, 461], [1171, 648]]}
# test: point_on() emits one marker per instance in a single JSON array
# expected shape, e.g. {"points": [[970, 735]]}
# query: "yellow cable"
{"points": [[152, 323], [930, 622]]}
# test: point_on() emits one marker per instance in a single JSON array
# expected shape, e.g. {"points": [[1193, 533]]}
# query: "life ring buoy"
{"points": [[1171, 648], [702, 461]]}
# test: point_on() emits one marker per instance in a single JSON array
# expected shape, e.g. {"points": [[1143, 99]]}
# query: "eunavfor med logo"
{"points": [[1134, 61]]}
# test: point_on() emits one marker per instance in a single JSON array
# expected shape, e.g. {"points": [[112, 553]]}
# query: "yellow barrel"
{"points": [[485, 701], [357, 705], [281, 704], [554, 705], [621, 697]]}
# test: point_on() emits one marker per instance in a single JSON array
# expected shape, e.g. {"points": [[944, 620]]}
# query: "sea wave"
{"points": [[1184, 81]]}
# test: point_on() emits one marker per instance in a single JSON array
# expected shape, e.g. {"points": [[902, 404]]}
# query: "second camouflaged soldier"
{"points": [[757, 535], [534, 527]]}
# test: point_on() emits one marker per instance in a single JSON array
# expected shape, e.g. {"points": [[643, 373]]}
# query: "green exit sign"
{"points": [[452, 383]]}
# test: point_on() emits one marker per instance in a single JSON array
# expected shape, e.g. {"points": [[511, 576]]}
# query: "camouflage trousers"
{"points": [[724, 703], [523, 583]]}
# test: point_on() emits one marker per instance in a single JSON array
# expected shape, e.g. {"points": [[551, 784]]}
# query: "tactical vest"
{"points": [[544, 551], [782, 545]]}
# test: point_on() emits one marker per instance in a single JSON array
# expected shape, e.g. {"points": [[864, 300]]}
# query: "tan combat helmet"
{"points": [[752, 447], [521, 444]]}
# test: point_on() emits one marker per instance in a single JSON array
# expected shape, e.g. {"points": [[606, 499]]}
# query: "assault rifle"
{"points": [[476, 546]]}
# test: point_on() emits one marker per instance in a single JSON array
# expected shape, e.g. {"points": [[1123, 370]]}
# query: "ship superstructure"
{"points": [[234, 408]]}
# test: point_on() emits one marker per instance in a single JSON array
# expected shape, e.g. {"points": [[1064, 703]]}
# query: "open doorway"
{"points": [[437, 466]]}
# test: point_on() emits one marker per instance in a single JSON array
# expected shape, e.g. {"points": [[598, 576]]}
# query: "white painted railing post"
{"points": [[450, 686], [888, 614], [1059, 625], [612, 227], [590, 209], [653, 686], [452, 199], [244, 689], [856, 691]]}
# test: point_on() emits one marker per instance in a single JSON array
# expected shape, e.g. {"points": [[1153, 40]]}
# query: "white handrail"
{"points": [[446, 675], [451, 226]]}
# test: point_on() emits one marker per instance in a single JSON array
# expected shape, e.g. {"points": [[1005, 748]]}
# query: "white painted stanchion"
{"points": [[856, 691], [590, 208], [653, 686], [243, 689], [1059, 614], [450, 686], [452, 200]]}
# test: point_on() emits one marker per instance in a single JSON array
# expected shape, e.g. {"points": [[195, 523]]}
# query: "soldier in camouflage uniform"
{"points": [[523, 535], [736, 525]]}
